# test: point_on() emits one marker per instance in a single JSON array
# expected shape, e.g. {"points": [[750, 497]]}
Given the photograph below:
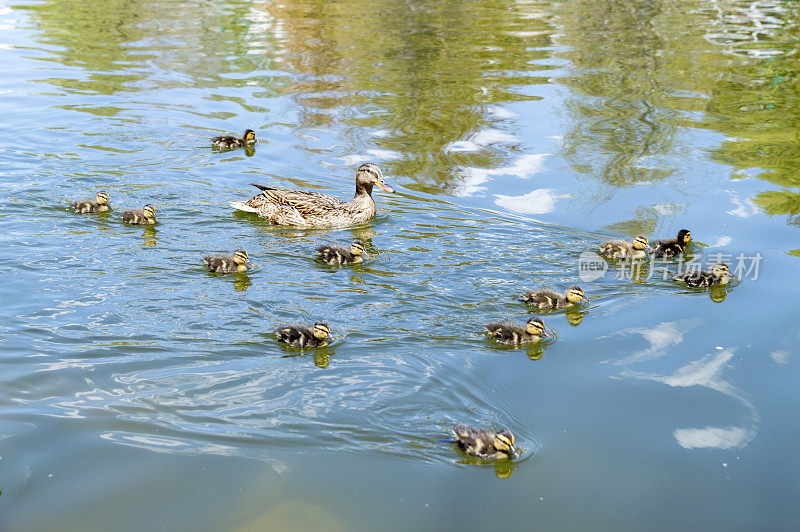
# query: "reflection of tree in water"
{"points": [[413, 77], [618, 53]]}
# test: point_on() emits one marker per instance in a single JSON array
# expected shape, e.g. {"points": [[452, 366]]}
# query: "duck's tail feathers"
{"points": [[262, 187], [242, 206]]}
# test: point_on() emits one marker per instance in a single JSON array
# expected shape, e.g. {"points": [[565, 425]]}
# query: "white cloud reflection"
{"points": [[539, 201]]}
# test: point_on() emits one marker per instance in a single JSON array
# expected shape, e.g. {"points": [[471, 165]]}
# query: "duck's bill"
{"points": [[384, 186], [515, 452], [585, 299]]}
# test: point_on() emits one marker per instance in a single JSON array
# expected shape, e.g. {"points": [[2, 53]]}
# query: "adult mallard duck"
{"points": [[670, 248], [98, 204], [228, 142], [302, 336], [720, 274], [302, 208], [228, 263], [548, 299], [484, 443], [511, 334], [338, 255], [143, 216], [621, 249]]}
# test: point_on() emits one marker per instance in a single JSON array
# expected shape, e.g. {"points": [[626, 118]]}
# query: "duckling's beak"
{"points": [[515, 452], [384, 186], [544, 334], [585, 299]]}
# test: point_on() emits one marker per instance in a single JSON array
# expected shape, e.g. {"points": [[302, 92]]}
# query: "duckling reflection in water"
{"points": [[621, 249], [670, 248], [483, 443], [720, 274], [548, 299], [338, 255], [98, 204], [229, 142], [228, 263], [143, 216], [303, 336], [512, 334]]}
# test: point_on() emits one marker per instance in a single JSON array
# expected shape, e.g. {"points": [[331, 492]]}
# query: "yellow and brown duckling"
{"points": [[512, 334], [486, 444], [671, 248], [338, 255], [303, 208], [548, 299], [228, 263], [144, 216], [228, 142], [98, 204], [720, 274], [302, 336], [622, 249]]}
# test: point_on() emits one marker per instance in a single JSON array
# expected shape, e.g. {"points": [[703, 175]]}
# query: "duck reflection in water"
{"points": [[150, 233], [241, 282], [322, 356]]}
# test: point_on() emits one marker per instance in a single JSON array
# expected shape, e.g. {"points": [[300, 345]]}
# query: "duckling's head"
{"points": [[535, 326], [149, 211], [721, 270], [249, 136], [575, 294], [504, 442], [320, 330], [240, 257], [640, 242], [357, 247], [369, 175], [684, 236], [102, 197]]}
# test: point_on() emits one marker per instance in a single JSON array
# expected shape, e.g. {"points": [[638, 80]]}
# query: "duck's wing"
{"points": [[306, 202]]}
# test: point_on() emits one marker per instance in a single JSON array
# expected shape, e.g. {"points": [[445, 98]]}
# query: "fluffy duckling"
{"points": [[302, 336], [548, 299], [227, 142], [512, 334], [670, 248], [621, 249], [98, 204], [338, 255], [484, 443], [720, 274], [228, 263], [143, 216]]}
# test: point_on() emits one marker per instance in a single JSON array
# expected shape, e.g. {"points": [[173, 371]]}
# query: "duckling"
{"points": [[302, 336], [720, 274], [337, 255], [98, 204], [512, 334], [548, 299], [620, 249], [227, 142], [670, 248], [484, 443], [228, 263], [143, 216]]}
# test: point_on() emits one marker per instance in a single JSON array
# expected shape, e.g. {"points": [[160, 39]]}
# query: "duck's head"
{"points": [[357, 248], [640, 242], [321, 330], [240, 256], [504, 442], [102, 197], [369, 175], [684, 236], [575, 294], [249, 136], [535, 326], [149, 212], [722, 271]]}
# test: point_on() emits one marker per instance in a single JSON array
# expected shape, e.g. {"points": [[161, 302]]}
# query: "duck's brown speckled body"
{"points": [[671, 248], [621, 249], [228, 263], [338, 255], [143, 216], [313, 209], [486, 444], [303, 336], [720, 274], [512, 334], [229, 142], [98, 204], [549, 299]]}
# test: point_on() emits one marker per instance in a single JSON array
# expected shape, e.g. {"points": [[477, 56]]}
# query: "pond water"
{"points": [[139, 392]]}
